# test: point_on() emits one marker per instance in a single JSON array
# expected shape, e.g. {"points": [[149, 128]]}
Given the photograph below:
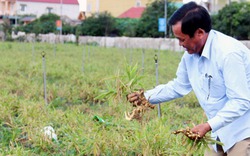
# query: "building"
{"points": [[7, 11], [68, 8], [133, 12], [115, 7], [7, 7], [13, 9]]}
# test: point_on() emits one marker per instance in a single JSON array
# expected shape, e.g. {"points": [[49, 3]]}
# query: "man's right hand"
{"points": [[138, 98], [134, 97]]}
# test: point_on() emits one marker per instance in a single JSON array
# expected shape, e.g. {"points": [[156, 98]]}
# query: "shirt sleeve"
{"points": [[236, 74], [176, 88]]}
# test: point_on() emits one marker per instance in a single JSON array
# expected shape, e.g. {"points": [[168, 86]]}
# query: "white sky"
{"points": [[82, 3]]}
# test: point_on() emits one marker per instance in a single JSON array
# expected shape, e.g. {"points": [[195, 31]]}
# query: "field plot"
{"points": [[72, 101]]}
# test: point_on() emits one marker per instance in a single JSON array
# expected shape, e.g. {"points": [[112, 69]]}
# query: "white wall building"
{"points": [[69, 8]]}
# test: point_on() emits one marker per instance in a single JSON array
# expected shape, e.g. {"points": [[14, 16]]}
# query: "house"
{"points": [[115, 7], [7, 7], [69, 8], [13, 9], [27, 19], [133, 12], [7, 12]]}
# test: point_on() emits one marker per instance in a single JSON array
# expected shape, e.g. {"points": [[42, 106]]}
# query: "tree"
{"points": [[47, 23], [148, 24], [102, 24], [69, 29], [7, 29], [126, 26], [43, 25], [234, 20]]}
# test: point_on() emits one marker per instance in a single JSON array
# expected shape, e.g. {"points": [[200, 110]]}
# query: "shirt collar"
{"points": [[206, 50]]}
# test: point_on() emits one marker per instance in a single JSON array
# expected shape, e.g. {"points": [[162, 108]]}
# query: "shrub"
{"points": [[148, 24], [234, 20], [102, 24]]}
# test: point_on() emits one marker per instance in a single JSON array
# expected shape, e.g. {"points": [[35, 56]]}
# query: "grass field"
{"points": [[83, 82]]}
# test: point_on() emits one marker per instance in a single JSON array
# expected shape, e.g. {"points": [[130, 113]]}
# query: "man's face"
{"points": [[192, 45]]}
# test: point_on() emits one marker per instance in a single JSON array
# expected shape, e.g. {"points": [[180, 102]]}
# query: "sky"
{"points": [[82, 3]]}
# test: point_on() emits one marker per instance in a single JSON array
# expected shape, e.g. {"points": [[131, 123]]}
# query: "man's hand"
{"points": [[201, 129], [134, 98]]}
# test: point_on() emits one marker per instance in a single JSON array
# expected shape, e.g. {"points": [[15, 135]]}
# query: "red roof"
{"points": [[134, 12], [52, 1]]}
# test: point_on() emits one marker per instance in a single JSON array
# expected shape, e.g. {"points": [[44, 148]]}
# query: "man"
{"points": [[217, 68]]}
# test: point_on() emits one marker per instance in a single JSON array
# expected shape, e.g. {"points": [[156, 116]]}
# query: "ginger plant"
{"points": [[194, 142]]}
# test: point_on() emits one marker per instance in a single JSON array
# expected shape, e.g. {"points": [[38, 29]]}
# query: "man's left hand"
{"points": [[201, 129]]}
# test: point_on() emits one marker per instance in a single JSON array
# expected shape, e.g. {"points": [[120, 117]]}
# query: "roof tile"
{"points": [[134, 12]]}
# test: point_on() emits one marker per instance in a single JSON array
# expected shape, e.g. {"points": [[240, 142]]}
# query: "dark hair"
{"points": [[192, 17]]}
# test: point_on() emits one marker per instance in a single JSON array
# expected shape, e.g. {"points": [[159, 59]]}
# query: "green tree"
{"points": [[126, 26], [43, 25], [47, 23], [102, 24], [6, 27], [69, 29], [234, 20], [148, 24]]}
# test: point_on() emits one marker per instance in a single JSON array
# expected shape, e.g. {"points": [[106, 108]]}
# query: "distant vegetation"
{"points": [[233, 20], [43, 25]]}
